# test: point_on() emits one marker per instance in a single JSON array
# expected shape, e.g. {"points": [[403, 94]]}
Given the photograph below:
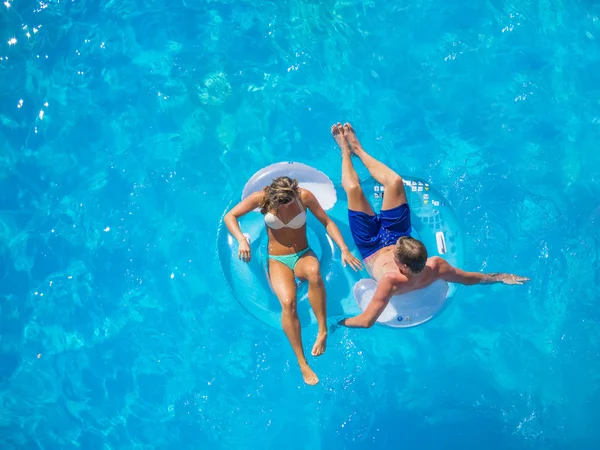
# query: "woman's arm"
{"points": [[311, 202], [231, 222]]}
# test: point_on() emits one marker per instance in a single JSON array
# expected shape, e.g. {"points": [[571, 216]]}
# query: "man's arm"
{"points": [[453, 274], [369, 316]]}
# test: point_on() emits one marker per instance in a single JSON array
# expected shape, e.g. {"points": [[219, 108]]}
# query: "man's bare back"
{"points": [[382, 265], [381, 262]]}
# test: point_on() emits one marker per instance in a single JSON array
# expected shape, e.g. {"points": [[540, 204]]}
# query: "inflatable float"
{"points": [[348, 292]]}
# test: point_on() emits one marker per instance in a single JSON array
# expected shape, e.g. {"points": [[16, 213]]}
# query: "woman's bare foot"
{"points": [[351, 138], [320, 344], [337, 131], [309, 376]]}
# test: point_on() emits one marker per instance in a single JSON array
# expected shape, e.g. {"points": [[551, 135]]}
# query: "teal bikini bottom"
{"points": [[290, 260]]}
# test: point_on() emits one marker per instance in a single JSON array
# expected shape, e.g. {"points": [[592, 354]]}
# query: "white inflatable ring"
{"points": [[406, 310], [435, 224], [308, 178]]}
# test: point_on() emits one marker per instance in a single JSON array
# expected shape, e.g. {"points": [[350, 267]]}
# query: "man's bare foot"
{"points": [[320, 344], [351, 138], [309, 376], [337, 131]]}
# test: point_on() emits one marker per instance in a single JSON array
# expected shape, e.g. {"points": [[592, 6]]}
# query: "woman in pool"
{"points": [[284, 206]]}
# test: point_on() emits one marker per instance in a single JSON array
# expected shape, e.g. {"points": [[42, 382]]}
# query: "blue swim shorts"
{"points": [[372, 233]]}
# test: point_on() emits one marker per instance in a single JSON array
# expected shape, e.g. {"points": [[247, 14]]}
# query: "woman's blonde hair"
{"points": [[281, 191]]}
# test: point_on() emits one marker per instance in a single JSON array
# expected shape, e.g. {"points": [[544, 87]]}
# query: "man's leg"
{"points": [[350, 181], [394, 194], [364, 224]]}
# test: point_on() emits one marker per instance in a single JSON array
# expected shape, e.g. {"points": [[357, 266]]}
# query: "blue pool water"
{"points": [[127, 126]]}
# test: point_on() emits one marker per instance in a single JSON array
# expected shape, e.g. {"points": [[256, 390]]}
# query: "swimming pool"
{"points": [[127, 127]]}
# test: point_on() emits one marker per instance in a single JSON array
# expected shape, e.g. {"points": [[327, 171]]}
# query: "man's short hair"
{"points": [[412, 252]]}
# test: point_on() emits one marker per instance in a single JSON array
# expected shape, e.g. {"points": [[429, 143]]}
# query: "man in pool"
{"points": [[398, 262]]}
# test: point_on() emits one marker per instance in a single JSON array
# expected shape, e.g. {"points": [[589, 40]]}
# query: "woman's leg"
{"points": [[284, 285], [307, 268]]}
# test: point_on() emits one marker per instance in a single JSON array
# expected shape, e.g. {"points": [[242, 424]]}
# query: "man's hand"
{"points": [[508, 278], [349, 258], [504, 278], [334, 327]]}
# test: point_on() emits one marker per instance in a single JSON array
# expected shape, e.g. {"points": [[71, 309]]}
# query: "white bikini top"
{"points": [[274, 222]]}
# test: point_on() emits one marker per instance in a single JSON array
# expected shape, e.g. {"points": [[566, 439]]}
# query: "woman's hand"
{"points": [[244, 250], [349, 258]]}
